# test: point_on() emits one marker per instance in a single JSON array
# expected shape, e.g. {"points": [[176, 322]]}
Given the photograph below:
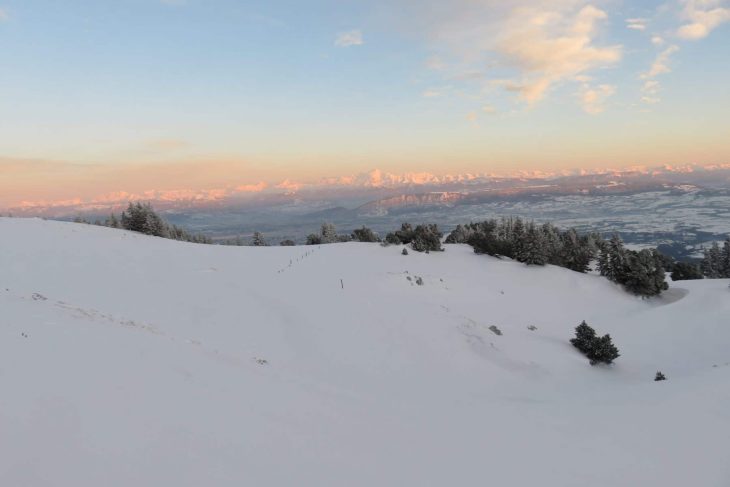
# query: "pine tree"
{"points": [[258, 240], [584, 337], [364, 234], [533, 249], [645, 273], [313, 239], [603, 350], [617, 259], [576, 252], [328, 233], [426, 238], [725, 259], [684, 271], [596, 349], [712, 262], [603, 262], [460, 234]]}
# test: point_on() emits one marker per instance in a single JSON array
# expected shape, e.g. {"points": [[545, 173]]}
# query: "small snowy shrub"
{"points": [[584, 337], [405, 251], [659, 376], [364, 234], [596, 349]]}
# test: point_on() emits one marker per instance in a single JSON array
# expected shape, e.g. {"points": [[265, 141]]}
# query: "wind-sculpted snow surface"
{"points": [[133, 360]]}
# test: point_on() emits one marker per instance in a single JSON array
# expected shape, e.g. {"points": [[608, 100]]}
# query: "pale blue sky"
{"points": [[466, 85]]}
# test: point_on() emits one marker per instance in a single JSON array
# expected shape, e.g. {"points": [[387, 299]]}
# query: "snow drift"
{"points": [[133, 360]]}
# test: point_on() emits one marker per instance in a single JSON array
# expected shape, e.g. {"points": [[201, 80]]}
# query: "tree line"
{"points": [[641, 272], [142, 218]]}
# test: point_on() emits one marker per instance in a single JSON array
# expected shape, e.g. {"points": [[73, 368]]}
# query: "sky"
{"points": [[103, 96]]}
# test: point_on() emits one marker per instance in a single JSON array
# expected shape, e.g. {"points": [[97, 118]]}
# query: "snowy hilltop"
{"points": [[128, 359]]}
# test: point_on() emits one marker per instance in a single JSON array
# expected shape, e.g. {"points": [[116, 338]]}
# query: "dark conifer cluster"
{"points": [[423, 238], [529, 243], [364, 234], [327, 234], [641, 272], [142, 218], [716, 261], [596, 349], [685, 271]]}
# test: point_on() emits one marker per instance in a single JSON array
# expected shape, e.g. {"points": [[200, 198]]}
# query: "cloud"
{"points": [[651, 86], [527, 47], [702, 16], [472, 116], [657, 40], [432, 93], [489, 109], [551, 46], [252, 188], [549, 52], [593, 99], [660, 64], [3, 15], [350, 38], [636, 24]]}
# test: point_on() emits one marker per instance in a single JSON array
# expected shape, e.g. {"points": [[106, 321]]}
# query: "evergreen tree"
{"points": [[533, 249], [596, 349], [577, 252], [684, 271], [258, 240], [328, 233], [712, 262], [364, 234], [584, 337], [645, 274], [725, 259], [617, 260], [603, 350], [460, 234], [426, 238], [313, 239]]}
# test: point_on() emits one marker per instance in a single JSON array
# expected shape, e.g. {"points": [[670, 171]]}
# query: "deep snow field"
{"points": [[128, 360]]}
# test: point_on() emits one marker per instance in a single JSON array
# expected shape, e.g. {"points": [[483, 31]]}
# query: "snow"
{"points": [[133, 360]]}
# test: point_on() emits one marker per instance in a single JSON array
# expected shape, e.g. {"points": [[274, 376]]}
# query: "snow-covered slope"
{"points": [[132, 360]]}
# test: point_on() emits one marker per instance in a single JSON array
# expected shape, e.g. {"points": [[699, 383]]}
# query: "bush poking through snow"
{"points": [[364, 234], [584, 337], [659, 376], [426, 238], [495, 330], [596, 349], [405, 251], [258, 240]]}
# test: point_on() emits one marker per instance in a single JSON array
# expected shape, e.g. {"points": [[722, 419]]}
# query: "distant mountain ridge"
{"points": [[394, 189]]}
